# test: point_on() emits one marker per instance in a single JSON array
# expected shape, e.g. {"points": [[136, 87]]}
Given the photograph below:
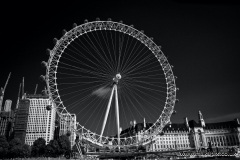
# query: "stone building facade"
{"points": [[191, 134]]}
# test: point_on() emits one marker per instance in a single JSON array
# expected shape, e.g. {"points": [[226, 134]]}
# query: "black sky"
{"points": [[201, 41]]}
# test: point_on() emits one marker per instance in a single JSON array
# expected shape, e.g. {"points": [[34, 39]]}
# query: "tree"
{"points": [[38, 148], [25, 151], [3, 146], [64, 144], [52, 149], [15, 147]]}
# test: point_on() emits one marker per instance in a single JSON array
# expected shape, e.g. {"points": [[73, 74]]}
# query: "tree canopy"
{"points": [[17, 149], [52, 149], [38, 147], [65, 145], [3, 146]]}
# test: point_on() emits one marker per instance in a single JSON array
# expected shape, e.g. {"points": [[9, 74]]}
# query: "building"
{"points": [[41, 122], [6, 122], [7, 106], [220, 134], [190, 134], [21, 119], [68, 125]]}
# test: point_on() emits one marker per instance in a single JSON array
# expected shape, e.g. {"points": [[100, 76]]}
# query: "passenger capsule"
{"points": [[74, 25], [42, 78], [64, 32], [55, 40], [48, 107], [48, 51], [44, 64]]}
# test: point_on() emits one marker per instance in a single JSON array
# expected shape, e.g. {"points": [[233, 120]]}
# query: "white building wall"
{"points": [[171, 141], [41, 122], [7, 106]]}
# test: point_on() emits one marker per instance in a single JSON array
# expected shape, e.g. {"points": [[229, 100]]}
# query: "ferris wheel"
{"points": [[115, 79]]}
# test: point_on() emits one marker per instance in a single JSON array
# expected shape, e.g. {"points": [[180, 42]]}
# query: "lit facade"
{"points": [[7, 106], [68, 125], [41, 122]]}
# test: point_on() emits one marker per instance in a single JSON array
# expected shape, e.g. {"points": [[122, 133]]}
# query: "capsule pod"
{"points": [[44, 64], [48, 107], [85, 21], [48, 51], [55, 40], [74, 25], [42, 78], [109, 19], [97, 19], [64, 32]]}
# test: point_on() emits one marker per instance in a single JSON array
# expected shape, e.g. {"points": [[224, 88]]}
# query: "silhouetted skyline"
{"points": [[200, 40]]}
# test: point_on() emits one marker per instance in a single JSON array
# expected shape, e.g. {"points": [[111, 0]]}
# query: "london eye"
{"points": [[114, 78]]}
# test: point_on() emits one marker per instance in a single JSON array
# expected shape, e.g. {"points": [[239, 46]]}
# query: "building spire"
{"points": [[201, 120]]}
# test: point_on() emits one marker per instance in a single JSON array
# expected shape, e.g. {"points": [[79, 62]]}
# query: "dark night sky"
{"points": [[200, 40]]}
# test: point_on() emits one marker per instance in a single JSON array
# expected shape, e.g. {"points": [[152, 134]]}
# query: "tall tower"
{"points": [[41, 122], [201, 120], [21, 119], [7, 106], [2, 92]]}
